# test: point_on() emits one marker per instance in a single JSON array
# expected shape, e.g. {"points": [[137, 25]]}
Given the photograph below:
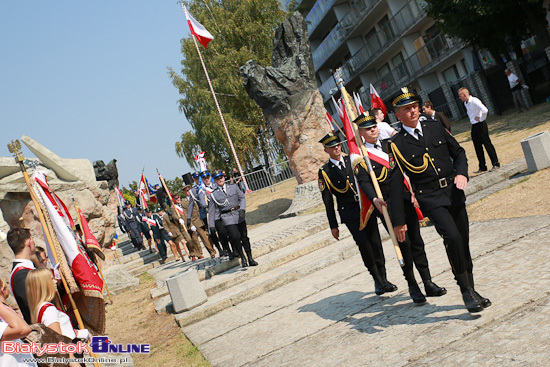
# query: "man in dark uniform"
{"points": [[228, 201], [413, 246], [120, 219], [130, 217], [159, 232], [336, 178], [144, 228], [438, 170]]}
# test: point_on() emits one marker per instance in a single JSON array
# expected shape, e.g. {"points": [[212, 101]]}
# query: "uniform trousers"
{"points": [[207, 242], [238, 236], [160, 238], [370, 245], [480, 138], [222, 235], [451, 222]]}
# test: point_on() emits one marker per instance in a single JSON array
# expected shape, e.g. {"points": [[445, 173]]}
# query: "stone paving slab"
{"points": [[331, 317]]}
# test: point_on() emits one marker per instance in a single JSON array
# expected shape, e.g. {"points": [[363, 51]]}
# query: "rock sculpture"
{"points": [[65, 177], [107, 173], [288, 94]]}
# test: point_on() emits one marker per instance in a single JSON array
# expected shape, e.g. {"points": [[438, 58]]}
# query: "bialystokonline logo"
{"points": [[13, 347], [102, 344]]}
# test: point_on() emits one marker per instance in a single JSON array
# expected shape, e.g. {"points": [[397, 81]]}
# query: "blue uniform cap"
{"points": [[217, 174], [195, 174], [205, 174]]}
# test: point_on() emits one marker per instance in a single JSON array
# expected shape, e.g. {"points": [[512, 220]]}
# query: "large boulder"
{"points": [[289, 97]]}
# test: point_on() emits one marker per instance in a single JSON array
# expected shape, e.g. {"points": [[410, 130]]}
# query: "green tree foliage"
{"points": [[242, 30], [491, 24]]}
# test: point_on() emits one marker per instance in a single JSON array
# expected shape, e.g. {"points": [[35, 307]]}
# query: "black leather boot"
{"points": [[432, 289], [378, 283], [251, 261], [468, 294], [485, 302], [414, 289], [388, 287], [244, 264]]}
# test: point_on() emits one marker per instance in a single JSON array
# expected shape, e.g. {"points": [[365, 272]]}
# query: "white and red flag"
{"points": [[201, 161], [197, 29], [120, 198], [91, 241], [330, 121], [358, 103], [376, 101]]}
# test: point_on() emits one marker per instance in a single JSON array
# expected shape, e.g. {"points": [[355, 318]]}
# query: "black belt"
{"points": [[232, 209], [439, 184]]}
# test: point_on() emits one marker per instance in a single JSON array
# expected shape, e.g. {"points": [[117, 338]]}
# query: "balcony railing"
{"points": [[342, 30], [426, 57], [317, 13]]}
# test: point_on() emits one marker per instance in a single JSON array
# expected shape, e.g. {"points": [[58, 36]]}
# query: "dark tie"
{"points": [[376, 146], [342, 167], [419, 135]]}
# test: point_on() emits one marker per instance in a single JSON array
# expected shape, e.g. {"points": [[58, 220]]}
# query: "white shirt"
{"points": [[476, 108], [513, 80], [411, 130], [52, 314], [337, 163], [16, 359], [385, 131], [377, 151]]}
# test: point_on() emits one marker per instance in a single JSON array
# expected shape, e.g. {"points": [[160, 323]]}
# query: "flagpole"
{"points": [[352, 114], [15, 149], [220, 112], [84, 235]]}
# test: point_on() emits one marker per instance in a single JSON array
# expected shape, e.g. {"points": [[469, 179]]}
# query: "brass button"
{"points": [[433, 159], [439, 170], [426, 148], [413, 155], [440, 142], [420, 191]]}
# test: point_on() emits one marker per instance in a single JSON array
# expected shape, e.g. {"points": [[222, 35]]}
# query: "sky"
{"points": [[90, 80]]}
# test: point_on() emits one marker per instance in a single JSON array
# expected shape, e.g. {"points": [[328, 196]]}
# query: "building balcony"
{"points": [[318, 13], [421, 62]]}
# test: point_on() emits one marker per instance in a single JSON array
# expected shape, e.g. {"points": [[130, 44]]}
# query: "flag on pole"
{"points": [[376, 101], [120, 198], [197, 29], [201, 161], [91, 241], [91, 303], [330, 121], [358, 103], [58, 204]]}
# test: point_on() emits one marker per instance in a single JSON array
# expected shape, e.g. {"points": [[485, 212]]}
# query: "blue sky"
{"points": [[89, 80]]}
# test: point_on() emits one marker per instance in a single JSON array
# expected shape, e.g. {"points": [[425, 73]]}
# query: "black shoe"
{"points": [[433, 290], [485, 302], [244, 264], [481, 170], [389, 287], [416, 294], [379, 288], [470, 301], [251, 262]]}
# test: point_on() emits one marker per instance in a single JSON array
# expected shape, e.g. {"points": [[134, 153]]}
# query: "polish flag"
{"points": [[358, 103], [330, 121], [197, 29], [376, 101]]}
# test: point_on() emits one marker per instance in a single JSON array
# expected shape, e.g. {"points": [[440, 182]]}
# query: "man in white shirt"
{"points": [[515, 86], [477, 113], [384, 129]]}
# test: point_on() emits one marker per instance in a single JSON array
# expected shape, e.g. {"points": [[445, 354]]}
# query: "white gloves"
{"points": [[182, 222], [83, 334], [170, 234], [56, 274], [194, 229]]}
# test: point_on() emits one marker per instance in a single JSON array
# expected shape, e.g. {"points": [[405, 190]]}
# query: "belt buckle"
{"points": [[442, 182]]}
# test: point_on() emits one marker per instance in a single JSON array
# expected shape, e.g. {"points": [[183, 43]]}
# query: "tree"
{"points": [[242, 30], [491, 24]]}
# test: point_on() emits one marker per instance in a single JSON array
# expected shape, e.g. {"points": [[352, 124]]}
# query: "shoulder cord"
{"points": [[408, 166], [216, 201], [383, 173], [331, 185], [193, 196]]}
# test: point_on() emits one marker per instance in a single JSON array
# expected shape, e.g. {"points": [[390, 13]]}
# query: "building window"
{"points": [[399, 66], [385, 31], [451, 74]]}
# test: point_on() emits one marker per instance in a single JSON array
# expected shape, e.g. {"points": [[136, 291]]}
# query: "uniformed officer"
{"points": [[195, 224], [173, 228], [336, 179], [228, 202], [413, 247], [132, 223], [438, 170], [179, 211], [159, 232], [144, 228]]}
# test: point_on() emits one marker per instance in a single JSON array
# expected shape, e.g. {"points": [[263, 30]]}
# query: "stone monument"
{"points": [[65, 177], [287, 92]]}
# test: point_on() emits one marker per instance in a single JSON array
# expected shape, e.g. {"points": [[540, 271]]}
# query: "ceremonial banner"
{"points": [[376, 101], [120, 198], [198, 30], [91, 241], [91, 304], [330, 121], [358, 103], [201, 161]]}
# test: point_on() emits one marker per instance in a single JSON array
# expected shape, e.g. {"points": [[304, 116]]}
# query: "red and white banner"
{"points": [[41, 178], [120, 198], [201, 161], [197, 29], [91, 241], [330, 121], [376, 101], [358, 103]]}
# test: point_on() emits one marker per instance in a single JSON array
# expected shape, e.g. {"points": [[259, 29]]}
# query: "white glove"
{"points": [[194, 229], [170, 234], [56, 273], [182, 222], [83, 334]]}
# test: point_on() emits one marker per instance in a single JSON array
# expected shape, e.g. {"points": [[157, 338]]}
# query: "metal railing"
{"points": [[317, 13], [268, 177]]}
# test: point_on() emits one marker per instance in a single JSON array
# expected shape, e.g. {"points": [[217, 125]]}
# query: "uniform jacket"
{"points": [[130, 216], [445, 158], [348, 206], [171, 226], [195, 197], [188, 202], [221, 204]]}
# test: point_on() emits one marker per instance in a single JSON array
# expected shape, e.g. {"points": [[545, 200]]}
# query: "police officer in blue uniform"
{"points": [[227, 202], [336, 179], [438, 170]]}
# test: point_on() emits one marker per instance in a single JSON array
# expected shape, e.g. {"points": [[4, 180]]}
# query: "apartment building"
{"points": [[386, 43]]}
